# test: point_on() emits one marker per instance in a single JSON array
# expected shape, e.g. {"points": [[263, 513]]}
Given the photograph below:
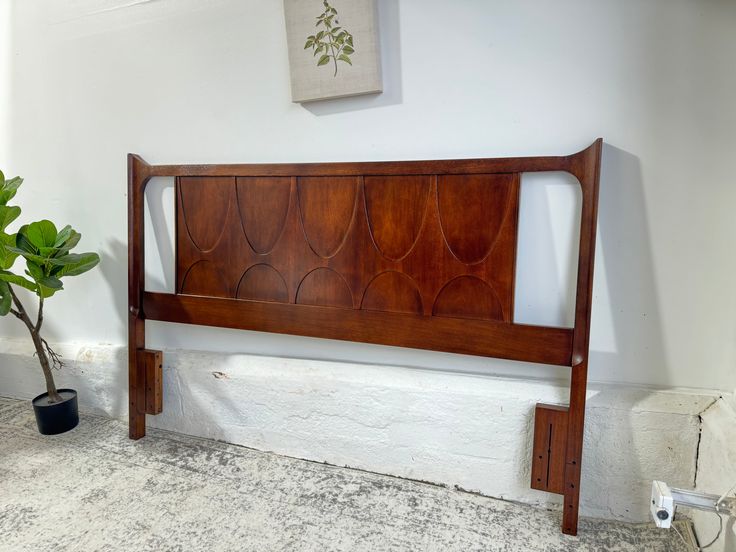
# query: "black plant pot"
{"points": [[57, 417]]}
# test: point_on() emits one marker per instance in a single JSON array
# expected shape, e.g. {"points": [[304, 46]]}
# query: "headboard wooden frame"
{"points": [[415, 254]]}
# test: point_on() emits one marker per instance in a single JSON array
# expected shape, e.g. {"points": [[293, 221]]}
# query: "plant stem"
{"points": [[334, 56], [38, 342]]}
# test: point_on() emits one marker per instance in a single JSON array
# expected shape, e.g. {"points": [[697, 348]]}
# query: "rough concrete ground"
{"points": [[92, 489]]}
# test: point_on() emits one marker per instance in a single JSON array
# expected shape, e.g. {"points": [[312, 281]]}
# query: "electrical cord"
{"points": [[718, 535], [680, 535], [711, 543], [720, 523]]}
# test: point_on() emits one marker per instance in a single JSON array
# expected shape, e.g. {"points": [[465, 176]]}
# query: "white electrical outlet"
{"points": [[663, 505]]}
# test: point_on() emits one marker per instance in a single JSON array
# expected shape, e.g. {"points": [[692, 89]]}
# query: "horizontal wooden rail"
{"points": [[545, 345], [367, 168]]}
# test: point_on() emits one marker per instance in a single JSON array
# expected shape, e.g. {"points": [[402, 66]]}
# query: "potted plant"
{"points": [[48, 257]]}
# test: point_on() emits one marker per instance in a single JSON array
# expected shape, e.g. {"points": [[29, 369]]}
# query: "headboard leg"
{"points": [[138, 176], [136, 379], [555, 469], [575, 431]]}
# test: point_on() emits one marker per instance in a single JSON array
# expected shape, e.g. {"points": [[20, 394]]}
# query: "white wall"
{"points": [[187, 81]]}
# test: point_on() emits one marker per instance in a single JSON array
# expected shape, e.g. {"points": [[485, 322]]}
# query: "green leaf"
{"points": [[343, 57], [35, 271], [7, 257], [41, 233], [63, 235], [9, 188], [320, 35], [309, 43], [11, 278], [349, 39], [23, 243], [8, 215], [26, 255], [323, 60], [64, 245], [5, 298], [50, 282], [347, 49], [45, 292], [74, 264]]}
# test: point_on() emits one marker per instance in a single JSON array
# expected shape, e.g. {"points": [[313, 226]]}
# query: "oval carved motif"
{"points": [[205, 206], [327, 205], [263, 203], [263, 283], [205, 279], [392, 292], [326, 288], [472, 209], [468, 297], [395, 206]]}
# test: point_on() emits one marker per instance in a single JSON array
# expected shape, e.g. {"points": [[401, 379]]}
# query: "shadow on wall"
{"points": [[625, 268], [625, 261], [389, 39], [626, 337], [114, 268]]}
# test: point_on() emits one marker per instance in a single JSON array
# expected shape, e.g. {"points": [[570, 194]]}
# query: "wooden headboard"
{"points": [[415, 254]]}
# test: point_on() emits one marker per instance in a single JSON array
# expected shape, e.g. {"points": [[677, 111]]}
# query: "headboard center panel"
{"points": [[431, 245]]}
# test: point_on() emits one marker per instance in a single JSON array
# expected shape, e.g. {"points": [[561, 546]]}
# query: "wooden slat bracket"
{"points": [[549, 448], [152, 363]]}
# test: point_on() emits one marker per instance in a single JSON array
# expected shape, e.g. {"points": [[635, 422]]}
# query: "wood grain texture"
{"points": [[395, 207], [406, 253], [263, 204], [472, 209], [375, 243], [204, 232], [262, 282], [392, 291], [153, 367], [494, 339], [548, 448], [327, 208]]}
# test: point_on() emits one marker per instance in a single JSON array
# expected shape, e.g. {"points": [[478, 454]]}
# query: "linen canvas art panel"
{"points": [[333, 48]]}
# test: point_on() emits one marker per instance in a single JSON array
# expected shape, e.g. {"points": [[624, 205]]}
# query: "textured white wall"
{"points": [[187, 81], [717, 470], [470, 431]]}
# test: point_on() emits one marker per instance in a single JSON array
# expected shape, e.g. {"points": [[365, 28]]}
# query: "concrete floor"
{"points": [[92, 489]]}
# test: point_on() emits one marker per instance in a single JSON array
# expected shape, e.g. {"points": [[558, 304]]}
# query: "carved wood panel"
{"points": [[428, 245]]}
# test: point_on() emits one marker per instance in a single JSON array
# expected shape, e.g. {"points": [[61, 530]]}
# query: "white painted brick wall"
{"points": [[717, 471], [466, 430]]}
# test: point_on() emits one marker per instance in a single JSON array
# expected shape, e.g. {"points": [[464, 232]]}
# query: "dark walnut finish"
{"points": [[409, 253]]}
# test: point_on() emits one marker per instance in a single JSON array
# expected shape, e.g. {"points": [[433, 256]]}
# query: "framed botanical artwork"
{"points": [[333, 48]]}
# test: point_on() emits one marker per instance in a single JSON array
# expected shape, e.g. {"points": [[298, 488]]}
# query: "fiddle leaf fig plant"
{"points": [[48, 258]]}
